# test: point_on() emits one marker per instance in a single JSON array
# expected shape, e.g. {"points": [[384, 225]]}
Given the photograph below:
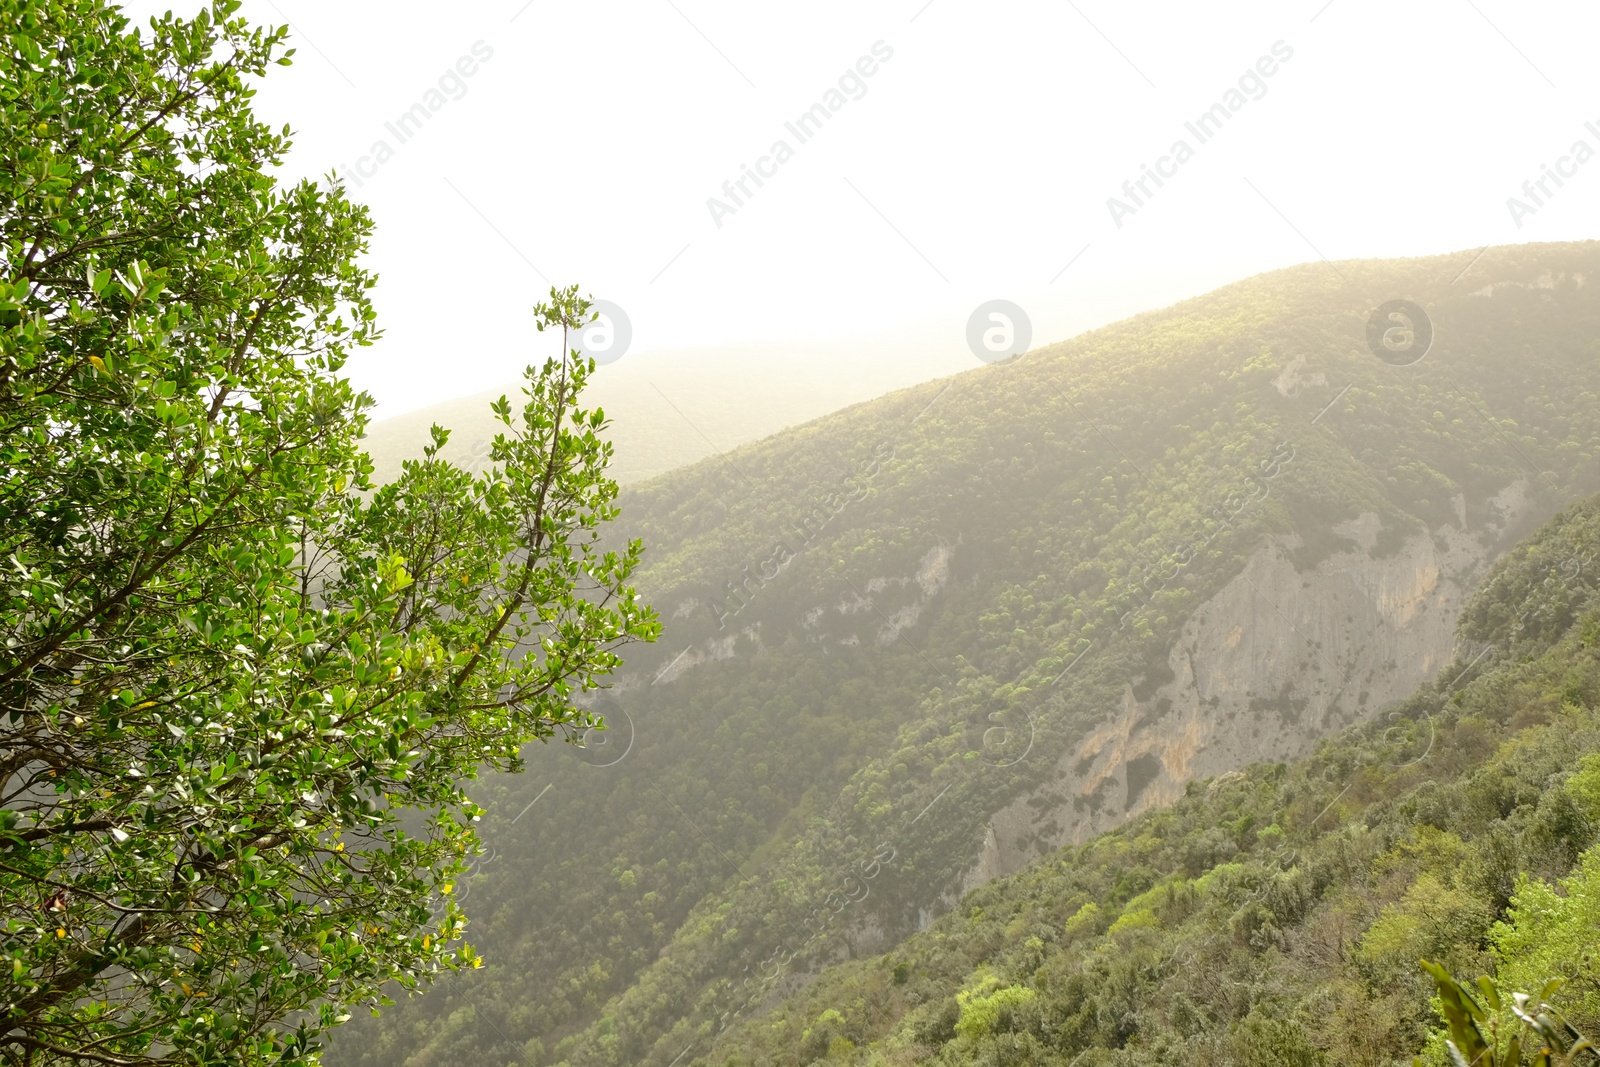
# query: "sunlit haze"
{"points": [[975, 162]]}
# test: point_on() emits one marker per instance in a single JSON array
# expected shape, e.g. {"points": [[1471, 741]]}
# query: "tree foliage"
{"points": [[1539, 1038], [240, 690]]}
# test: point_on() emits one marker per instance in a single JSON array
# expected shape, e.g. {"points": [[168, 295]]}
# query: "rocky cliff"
{"points": [[1277, 659]]}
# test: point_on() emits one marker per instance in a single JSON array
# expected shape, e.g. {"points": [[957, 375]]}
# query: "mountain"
{"points": [[919, 643], [1276, 915]]}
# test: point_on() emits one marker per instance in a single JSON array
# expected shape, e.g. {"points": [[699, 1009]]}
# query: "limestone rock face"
{"points": [[1276, 660]]}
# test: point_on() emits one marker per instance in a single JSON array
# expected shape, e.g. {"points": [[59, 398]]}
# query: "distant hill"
{"points": [[916, 644], [669, 409]]}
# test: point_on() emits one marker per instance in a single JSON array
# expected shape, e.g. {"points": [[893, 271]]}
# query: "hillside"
{"points": [[914, 645], [1277, 915]]}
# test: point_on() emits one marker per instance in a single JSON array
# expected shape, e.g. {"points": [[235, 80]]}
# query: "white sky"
{"points": [[976, 166]]}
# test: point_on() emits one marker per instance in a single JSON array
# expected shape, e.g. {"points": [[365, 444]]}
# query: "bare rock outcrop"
{"points": [[1276, 660]]}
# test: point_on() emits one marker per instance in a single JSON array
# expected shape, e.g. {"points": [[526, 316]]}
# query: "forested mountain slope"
{"points": [[917, 643], [1276, 916]]}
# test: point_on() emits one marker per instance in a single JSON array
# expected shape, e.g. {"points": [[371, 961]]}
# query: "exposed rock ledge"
{"points": [[1274, 661]]}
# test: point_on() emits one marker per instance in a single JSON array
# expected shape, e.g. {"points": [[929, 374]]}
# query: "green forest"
{"points": [[1277, 915]]}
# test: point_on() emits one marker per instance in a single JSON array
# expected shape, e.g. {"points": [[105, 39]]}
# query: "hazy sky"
{"points": [[581, 142]]}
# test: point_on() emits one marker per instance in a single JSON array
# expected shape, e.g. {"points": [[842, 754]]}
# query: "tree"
{"points": [[241, 689], [1544, 1038]]}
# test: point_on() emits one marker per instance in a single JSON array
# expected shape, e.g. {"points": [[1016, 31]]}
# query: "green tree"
{"points": [[1543, 1038], [1550, 930], [241, 690]]}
